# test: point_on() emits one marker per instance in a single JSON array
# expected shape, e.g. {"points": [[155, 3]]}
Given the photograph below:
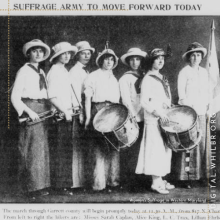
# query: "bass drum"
{"points": [[117, 126], [182, 133]]}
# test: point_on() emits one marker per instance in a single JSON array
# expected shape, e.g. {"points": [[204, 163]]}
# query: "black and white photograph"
{"points": [[110, 109]]}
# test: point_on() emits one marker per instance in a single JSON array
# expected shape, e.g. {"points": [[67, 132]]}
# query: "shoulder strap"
{"points": [[164, 82]]}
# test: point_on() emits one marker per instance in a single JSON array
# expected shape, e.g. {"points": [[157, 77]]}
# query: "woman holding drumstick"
{"points": [[102, 89], [155, 157]]}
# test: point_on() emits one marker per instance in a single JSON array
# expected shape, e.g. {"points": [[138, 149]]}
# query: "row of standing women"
{"points": [[82, 156]]}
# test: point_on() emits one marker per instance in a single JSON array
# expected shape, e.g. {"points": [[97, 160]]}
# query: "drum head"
{"points": [[182, 118], [110, 118]]}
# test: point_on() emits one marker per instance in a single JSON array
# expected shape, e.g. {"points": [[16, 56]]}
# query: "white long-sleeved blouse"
{"points": [[193, 88], [102, 86], [77, 77], [59, 86], [130, 98], [153, 97], [26, 86]]}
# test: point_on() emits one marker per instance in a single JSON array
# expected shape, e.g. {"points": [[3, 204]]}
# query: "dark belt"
{"points": [[105, 102], [42, 101], [100, 105]]}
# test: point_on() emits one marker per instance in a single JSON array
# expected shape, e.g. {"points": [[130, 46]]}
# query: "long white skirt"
{"points": [[154, 157]]}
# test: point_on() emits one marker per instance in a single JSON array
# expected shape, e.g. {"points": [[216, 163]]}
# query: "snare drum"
{"points": [[116, 125], [182, 133]]}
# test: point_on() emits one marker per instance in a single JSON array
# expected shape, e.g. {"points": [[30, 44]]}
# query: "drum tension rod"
{"points": [[110, 142]]}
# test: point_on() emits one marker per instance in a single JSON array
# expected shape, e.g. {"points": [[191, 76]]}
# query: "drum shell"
{"points": [[182, 140], [125, 134], [128, 133], [190, 135]]}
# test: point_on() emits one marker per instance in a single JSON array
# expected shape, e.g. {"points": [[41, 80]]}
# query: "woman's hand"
{"points": [[165, 106], [81, 118], [87, 122], [209, 112], [164, 119], [88, 105], [33, 115], [68, 115], [173, 105]]}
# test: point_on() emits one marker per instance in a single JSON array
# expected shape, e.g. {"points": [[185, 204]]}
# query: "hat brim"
{"points": [[89, 48], [72, 49], [141, 54], [99, 56], [203, 50], [29, 45]]}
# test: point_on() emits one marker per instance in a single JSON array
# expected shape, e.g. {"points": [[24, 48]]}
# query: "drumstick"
{"points": [[174, 122]]}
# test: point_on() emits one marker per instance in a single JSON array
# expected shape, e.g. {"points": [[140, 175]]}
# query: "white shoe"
{"points": [[168, 185], [160, 189]]}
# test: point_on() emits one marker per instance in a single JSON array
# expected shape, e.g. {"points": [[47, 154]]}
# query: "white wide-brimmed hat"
{"points": [[133, 52], [84, 45], [36, 43], [193, 48], [107, 51], [62, 48]]}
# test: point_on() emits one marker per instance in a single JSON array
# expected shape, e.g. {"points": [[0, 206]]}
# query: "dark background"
{"points": [[123, 33]]}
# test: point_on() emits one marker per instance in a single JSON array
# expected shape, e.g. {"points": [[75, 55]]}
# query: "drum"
{"points": [[182, 133], [116, 125]]}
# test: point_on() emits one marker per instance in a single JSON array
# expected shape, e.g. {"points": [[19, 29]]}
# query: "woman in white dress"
{"points": [[155, 157]]}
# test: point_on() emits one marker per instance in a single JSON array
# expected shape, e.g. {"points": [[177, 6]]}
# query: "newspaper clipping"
{"points": [[110, 110]]}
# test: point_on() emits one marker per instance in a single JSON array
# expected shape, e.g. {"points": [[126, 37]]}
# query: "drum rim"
{"points": [[125, 146], [193, 125], [114, 104], [124, 121]]}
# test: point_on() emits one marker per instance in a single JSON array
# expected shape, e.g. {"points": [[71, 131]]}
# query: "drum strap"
{"points": [[165, 84]]}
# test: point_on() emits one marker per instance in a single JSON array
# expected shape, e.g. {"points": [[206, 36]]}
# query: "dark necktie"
{"points": [[165, 84], [42, 81], [86, 69], [137, 84]]}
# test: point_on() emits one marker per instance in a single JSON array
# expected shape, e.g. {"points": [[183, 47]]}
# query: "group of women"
{"points": [[83, 158]]}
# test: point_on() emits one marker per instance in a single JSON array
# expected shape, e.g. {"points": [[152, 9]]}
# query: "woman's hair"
{"points": [[127, 60], [34, 48], [101, 59], [189, 54], [55, 60], [149, 62]]}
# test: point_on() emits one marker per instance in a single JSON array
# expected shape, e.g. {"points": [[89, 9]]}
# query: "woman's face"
{"points": [[158, 63], [36, 55], [135, 62], [195, 59], [64, 58], [108, 63], [84, 56]]}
